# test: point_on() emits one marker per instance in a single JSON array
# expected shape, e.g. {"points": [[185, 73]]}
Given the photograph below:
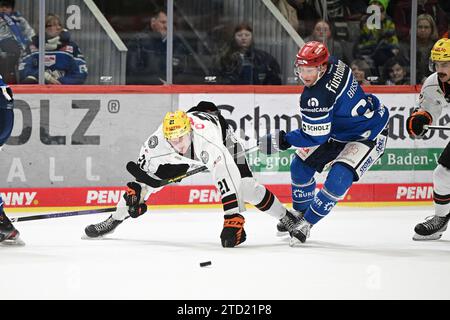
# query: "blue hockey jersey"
{"points": [[336, 107], [6, 112], [66, 63]]}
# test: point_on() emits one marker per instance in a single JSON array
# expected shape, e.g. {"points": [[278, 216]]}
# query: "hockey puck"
{"points": [[205, 264]]}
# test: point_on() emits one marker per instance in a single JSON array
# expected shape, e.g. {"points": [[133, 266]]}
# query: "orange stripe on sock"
{"points": [[268, 200]]}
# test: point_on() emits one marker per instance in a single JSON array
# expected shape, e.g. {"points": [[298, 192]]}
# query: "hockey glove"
{"points": [[416, 121], [273, 143], [233, 232], [133, 198]]}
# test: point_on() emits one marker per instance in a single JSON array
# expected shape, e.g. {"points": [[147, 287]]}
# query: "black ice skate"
{"points": [[102, 228], [288, 222], [8, 234], [300, 233], [432, 228]]}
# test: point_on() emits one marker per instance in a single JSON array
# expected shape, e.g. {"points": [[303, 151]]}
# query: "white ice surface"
{"points": [[354, 253]]}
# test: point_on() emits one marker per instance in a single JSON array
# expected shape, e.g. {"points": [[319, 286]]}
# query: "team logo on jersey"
{"points": [[312, 103], [49, 60], [152, 142], [204, 156]]}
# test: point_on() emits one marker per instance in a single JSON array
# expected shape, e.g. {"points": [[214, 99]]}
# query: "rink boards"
{"points": [[70, 145], [201, 195]]}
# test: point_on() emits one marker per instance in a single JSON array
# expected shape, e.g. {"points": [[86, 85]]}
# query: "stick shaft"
{"points": [[436, 127], [140, 175], [62, 214]]}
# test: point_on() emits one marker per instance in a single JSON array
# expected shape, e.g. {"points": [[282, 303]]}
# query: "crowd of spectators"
{"points": [[372, 36]]}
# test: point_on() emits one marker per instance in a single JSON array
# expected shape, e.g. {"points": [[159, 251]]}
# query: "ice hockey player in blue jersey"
{"points": [[8, 234], [64, 62], [341, 126]]}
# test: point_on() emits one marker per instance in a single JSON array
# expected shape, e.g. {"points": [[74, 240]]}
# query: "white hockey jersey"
{"points": [[207, 148], [432, 98]]}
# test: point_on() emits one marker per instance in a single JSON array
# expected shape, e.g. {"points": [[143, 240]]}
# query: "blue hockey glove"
{"points": [[273, 143]]}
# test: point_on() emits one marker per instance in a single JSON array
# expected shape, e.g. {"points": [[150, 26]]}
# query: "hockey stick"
{"points": [[62, 214], [141, 176], [427, 127]]}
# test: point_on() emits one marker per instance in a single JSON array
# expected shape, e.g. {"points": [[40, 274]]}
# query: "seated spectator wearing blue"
{"points": [[242, 63], [64, 62], [15, 38], [146, 58]]}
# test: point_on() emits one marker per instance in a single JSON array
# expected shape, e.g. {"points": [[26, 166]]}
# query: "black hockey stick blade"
{"points": [[62, 214], [141, 176]]}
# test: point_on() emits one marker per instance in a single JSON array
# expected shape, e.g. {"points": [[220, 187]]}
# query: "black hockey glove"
{"points": [[233, 232], [416, 121], [273, 143], [133, 198]]}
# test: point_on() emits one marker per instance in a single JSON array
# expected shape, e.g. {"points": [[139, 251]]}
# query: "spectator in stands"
{"points": [[146, 60], [242, 63], [65, 63], [361, 71], [427, 35], [333, 10], [306, 15], [15, 38], [322, 33], [395, 72], [377, 44], [288, 11], [402, 16]]}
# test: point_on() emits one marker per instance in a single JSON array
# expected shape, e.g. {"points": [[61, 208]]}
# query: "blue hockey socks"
{"points": [[339, 180], [303, 194]]}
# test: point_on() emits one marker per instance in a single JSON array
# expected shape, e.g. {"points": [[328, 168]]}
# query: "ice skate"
{"points": [[288, 222], [100, 229], [9, 235], [300, 233], [432, 228]]}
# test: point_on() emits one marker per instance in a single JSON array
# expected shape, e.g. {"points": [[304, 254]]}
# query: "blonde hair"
{"points": [[52, 18], [434, 32]]}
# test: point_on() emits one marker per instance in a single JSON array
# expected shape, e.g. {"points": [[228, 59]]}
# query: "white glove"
{"points": [[1, 147], [52, 44], [52, 76]]}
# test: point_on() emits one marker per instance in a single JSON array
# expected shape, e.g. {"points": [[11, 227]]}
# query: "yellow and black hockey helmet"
{"points": [[176, 124], [441, 50]]}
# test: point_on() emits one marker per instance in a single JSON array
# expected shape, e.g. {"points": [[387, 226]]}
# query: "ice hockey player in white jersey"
{"points": [[187, 140], [341, 126], [434, 96]]}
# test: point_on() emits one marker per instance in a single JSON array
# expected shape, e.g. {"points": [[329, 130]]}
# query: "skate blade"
{"points": [[282, 233], [294, 242], [435, 236], [13, 243], [86, 237]]}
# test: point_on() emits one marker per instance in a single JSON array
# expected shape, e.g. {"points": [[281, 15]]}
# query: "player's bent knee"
{"points": [[339, 179], [301, 173]]}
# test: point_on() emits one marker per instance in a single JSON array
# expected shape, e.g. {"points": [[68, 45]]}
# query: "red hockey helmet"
{"points": [[312, 54]]}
